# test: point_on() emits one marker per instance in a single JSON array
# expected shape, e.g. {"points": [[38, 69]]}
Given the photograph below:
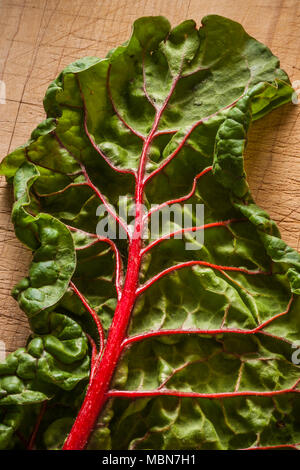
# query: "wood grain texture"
{"points": [[40, 37]]}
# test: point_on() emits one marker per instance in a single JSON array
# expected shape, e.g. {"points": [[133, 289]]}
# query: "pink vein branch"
{"points": [[183, 198], [151, 101], [194, 263], [148, 141], [61, 191], [118, 271], [89, 184], [75, 173], [187, 135], [199, 69], [278, 446], [108, 207], [181, 394], [98, 193], [93, 143], [258, 329], [98, 149], [93, 315], [37, 425], [182, 231], [165, 132], [97, 239], [94, 357], [138, 134]]}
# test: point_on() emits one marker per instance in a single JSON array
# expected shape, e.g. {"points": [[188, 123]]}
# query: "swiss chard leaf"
{"points": [[189, 348]]}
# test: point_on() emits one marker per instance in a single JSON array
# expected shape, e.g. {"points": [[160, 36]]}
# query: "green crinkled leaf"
{"points": [[53, 261], [190, 348], [54, 360]]}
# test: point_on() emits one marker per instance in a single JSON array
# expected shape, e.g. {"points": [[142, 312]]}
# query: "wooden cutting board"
{"points": [[40, 37]]}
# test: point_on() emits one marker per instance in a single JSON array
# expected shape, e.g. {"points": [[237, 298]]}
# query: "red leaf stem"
{"points": [[96, 396]]}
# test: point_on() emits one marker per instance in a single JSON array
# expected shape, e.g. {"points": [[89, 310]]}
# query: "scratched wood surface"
{"points": [[40, 37]]}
